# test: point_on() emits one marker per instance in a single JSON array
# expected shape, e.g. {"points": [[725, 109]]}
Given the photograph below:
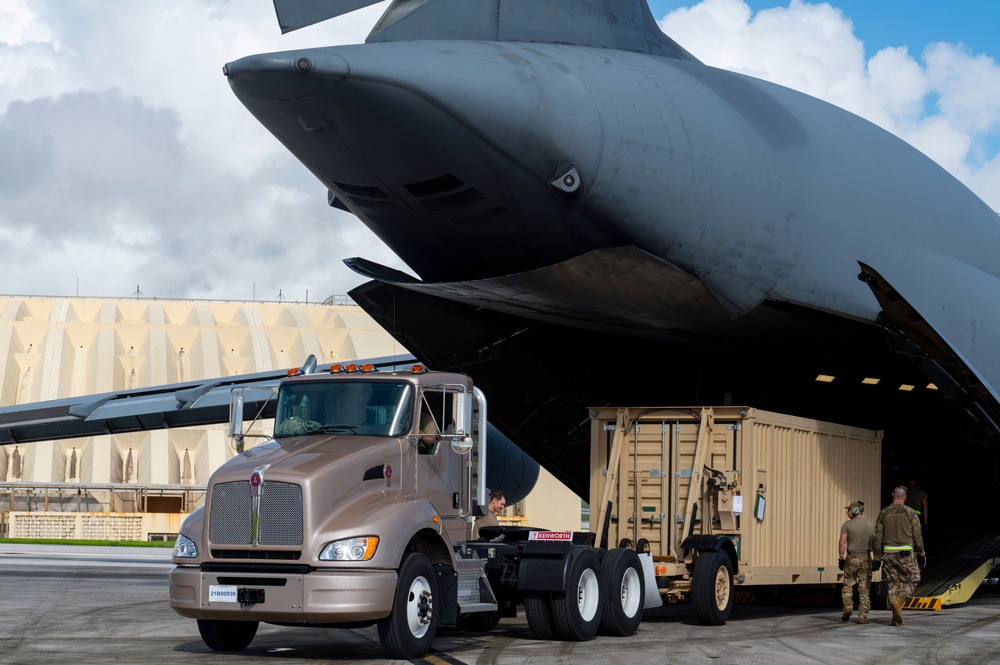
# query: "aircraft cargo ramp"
{"points": [[957, 564]]}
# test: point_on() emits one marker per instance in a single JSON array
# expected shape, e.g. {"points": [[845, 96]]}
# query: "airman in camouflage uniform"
{"points": [[898, 544], [856, 536]]}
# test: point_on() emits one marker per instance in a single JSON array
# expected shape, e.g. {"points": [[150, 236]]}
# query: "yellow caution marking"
{"points": [[916, 603]]}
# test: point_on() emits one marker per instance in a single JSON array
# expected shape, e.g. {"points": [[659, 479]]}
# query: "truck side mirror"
{"points": [[463, 415], [236, 416]]}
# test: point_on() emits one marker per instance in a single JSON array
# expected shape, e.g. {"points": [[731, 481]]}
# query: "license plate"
{"points": [[221, 593]]}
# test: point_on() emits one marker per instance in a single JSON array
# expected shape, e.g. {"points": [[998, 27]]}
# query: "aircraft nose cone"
{"points": [[288, 75]]}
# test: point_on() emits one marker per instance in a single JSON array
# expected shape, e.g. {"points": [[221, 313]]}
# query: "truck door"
{"points": [[440, 471]]}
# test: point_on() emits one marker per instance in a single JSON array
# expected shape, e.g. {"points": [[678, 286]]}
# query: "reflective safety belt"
{"points": [[898, 548]]}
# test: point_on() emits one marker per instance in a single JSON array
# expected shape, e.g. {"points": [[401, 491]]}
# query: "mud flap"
{"points": [[652, 593]]}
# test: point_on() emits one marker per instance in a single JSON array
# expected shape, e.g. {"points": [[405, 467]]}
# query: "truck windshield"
{"points": [[366, 408]]}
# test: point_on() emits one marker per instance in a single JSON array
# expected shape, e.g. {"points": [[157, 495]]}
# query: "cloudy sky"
{"points": [[126, 162]]}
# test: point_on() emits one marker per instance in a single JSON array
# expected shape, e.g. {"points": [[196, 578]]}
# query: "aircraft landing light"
{"points": [[825, 378], [869, 381], [906, 387]]}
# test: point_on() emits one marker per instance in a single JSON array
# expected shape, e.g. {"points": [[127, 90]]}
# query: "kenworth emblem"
{"points": [[256, 480]]}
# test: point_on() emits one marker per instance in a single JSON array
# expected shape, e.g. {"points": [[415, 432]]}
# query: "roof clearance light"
{"points": [[293, 371], [353, 367], [368, 367], [869, 381], [825, 378], [336, 369], [906, 387], [418, 369]]}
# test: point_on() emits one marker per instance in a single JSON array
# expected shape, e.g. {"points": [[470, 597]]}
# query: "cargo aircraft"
{"points": [[593, 217]]}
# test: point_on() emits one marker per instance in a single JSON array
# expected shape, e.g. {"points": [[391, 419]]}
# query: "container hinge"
{"points": [[609, 427], [735, 427]]}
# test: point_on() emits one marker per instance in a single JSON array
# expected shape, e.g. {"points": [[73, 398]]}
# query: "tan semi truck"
{"points": [[728, 497], [360, 510]]}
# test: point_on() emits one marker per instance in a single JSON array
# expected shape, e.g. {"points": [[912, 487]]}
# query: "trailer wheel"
{"points": [[227, 635], [538, 611], [623, 593], [407, 633], [577, 610], [712, 588]]}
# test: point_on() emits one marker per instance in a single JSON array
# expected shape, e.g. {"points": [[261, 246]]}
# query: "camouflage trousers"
{"points": [[857, 571], [901, 573]]}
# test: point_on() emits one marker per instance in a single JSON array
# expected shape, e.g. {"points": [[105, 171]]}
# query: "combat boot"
{"points": [[846, 616], [863, 620], [897, 611]]}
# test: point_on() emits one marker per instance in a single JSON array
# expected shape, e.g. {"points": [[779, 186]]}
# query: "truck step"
{"points": [[468, 608]]}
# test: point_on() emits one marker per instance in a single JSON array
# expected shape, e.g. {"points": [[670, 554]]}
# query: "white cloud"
{"points": [[946, 102], [127, 160]]}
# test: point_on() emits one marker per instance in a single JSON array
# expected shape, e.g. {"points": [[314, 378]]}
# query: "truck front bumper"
{"points": [[317, 597]]}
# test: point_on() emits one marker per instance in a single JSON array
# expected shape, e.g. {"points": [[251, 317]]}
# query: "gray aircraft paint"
{"points": [[756, 191]]}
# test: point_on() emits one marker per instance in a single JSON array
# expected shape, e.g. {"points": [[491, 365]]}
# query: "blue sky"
{"points": [[912, 23]]}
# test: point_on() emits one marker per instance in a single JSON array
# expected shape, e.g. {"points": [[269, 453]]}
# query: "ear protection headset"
{"points": [[856, 510]]}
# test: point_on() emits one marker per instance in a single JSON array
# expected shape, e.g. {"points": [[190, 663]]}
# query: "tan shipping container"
{"points": [[773, 484]]}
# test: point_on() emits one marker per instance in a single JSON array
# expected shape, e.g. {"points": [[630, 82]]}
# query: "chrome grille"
{"points": [[280, 514]]}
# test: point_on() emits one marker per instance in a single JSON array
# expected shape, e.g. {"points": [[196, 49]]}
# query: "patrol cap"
{"points": [[856, 504]]}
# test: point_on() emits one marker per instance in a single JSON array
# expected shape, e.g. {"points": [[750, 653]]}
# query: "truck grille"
{"points": [[280, 514]]}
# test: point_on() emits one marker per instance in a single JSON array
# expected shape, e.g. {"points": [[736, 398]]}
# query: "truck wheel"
{"points": [[538, 611], [712, 588], [577, 610], [623, 593], [407, 633], [227, 635]]}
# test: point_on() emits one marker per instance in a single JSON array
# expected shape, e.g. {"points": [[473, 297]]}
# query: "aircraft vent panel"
{"points": [[480, 216], [461, 199], [231, 515], [435, 186], [363, 191]]}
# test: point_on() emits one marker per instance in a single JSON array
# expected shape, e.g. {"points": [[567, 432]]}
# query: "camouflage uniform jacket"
{"points": [[898, 525]]}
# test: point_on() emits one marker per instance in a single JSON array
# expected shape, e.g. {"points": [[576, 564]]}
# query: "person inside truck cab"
{"points": [[429, 431]]}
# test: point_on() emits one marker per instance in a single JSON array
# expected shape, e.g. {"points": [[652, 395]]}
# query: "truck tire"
{"points": [[712, 588], [538, 611], [623, 593], [577, 610], [227, 635], [407, 633]]}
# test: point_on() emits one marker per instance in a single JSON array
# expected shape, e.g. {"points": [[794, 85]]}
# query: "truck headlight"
{"points": [[351, 549], [185, 548]]}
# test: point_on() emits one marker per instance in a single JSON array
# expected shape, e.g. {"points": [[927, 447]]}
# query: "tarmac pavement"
{"points": [[109, 605]]}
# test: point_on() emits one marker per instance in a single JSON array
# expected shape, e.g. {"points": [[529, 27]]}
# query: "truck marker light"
{"points": [[368, 367], [336, 369], [435, 519], [351, 368], [418, 369]]}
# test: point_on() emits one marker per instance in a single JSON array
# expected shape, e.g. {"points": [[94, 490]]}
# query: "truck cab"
{"points": [[361, 509]]}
